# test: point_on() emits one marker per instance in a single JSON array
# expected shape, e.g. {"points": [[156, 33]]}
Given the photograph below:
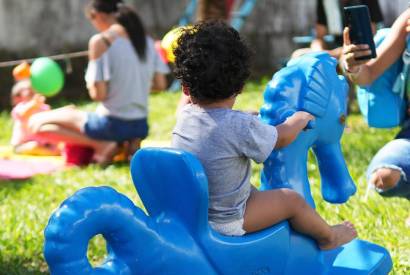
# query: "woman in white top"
{"points": [[123, 67]]}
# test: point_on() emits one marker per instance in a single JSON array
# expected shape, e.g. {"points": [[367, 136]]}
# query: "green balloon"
{"points": [[47, 78]]}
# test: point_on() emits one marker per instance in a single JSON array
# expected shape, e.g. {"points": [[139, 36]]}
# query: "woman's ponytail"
{"points": [[128, 18]]}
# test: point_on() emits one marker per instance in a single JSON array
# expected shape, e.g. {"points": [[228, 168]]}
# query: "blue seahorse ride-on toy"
{"points": [[175, 237]]}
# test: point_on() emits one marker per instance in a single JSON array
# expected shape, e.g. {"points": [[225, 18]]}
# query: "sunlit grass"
{"points": [[25, 206]]}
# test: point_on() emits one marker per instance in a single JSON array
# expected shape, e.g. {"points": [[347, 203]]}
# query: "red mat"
{"points": [[12, 169]]}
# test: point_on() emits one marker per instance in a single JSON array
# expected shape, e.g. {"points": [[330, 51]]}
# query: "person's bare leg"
{"points": [[266, 208], [66, 125], [134, 146], [70, 106], [104, 150], [385, 178], [67, 117]]}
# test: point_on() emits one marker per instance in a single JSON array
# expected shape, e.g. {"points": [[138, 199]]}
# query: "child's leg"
{"points": [[266, 208]]}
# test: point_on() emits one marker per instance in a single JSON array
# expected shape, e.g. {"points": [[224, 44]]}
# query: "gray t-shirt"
{"points": [[224, 141], [129, 78]]}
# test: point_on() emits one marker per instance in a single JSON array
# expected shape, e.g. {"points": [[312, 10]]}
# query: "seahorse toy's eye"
{"points": [[342, 119]]}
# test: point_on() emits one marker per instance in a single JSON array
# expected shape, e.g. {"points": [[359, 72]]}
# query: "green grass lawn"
{"points": [[25, 206]]}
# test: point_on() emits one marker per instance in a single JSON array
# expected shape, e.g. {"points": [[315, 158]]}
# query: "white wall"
{"points": [[392, 8], [55, 26]]}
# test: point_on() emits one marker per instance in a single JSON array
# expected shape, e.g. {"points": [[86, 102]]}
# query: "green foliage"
{"points": [[25, 206]]}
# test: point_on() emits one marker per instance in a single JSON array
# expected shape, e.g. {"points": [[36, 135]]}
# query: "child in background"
{"points": [[25, 103], [213, 63]]}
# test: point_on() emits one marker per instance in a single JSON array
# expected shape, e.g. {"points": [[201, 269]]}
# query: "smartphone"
{"points": [[357, 18]]}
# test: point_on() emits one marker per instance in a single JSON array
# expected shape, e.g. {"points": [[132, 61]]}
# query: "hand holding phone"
{"points": [[357, 19]]}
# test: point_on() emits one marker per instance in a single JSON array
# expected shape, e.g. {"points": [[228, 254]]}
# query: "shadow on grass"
{"points": [[122, 164], [18, 266], [15, 185]]}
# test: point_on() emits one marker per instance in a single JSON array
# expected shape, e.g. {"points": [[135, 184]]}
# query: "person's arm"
{"points": [[159, 82], [96, 47], [373, 25], [364, 72], [290, 129], [98, 91], [318, 44], [159, 79], [25, 111]]}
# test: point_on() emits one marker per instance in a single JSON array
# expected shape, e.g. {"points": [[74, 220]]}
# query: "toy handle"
{"points": [[311, 125]]}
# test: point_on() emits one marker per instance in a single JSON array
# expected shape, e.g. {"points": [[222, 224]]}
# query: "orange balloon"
{"points": [[21, 71]]}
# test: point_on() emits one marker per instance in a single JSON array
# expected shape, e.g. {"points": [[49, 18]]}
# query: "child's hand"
{"points": [[303, 116], [290, 129], [38, 100], [350, 52], [32, 106]]}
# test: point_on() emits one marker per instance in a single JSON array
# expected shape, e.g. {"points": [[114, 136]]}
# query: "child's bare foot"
{"points": [[377, 181], [385, 178], [341, 234]]}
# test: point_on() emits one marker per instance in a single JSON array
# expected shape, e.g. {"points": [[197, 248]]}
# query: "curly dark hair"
{"points": [[212, 61]]}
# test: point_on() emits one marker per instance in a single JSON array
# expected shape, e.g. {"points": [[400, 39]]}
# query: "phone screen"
{"points": [[357, 18]]}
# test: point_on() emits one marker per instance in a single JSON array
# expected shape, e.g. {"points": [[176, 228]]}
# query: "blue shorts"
{"points": [[395, 155], [115, 129]]}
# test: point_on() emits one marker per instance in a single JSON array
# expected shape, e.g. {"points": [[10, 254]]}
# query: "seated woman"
{"points": [[389, 171], [123, 67]]}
